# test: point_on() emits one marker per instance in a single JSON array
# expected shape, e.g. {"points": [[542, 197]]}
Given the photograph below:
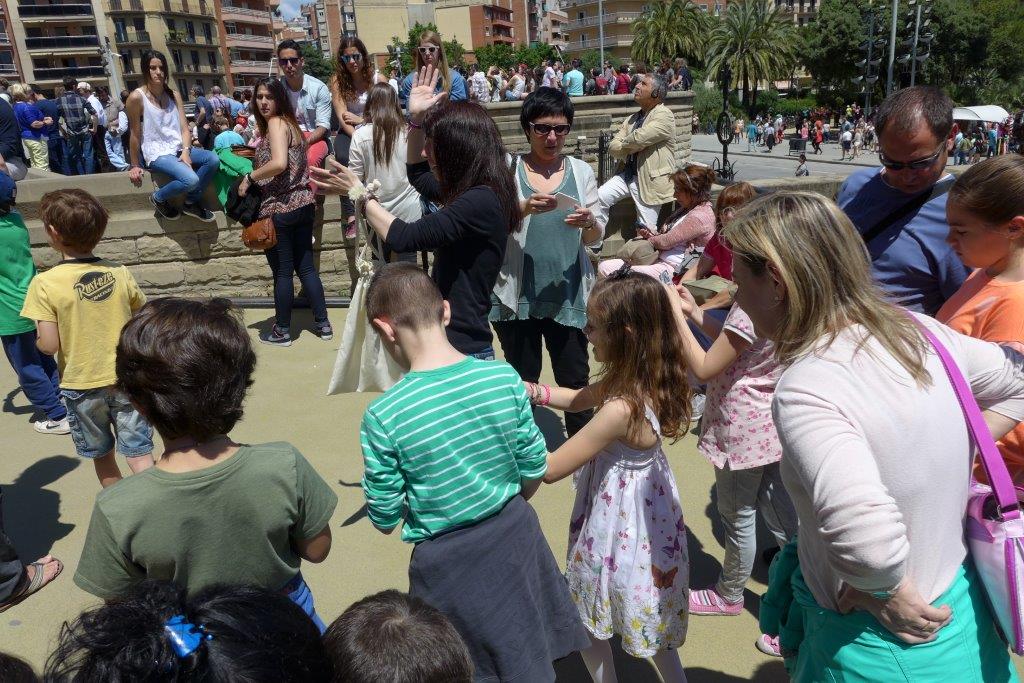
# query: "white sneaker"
{"points": [[52, 426], [697, 406]]}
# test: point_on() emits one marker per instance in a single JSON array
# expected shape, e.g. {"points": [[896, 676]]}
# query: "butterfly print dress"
{"points": [[627, 565]]}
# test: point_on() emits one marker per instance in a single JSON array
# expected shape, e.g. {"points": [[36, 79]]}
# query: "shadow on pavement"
{"points": [[769, 672], [551, 426], [9, 406], [302, 321], [627, 668], [31, 514]]}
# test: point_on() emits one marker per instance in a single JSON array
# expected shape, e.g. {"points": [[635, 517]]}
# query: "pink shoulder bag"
{"points": [[995, 527]]}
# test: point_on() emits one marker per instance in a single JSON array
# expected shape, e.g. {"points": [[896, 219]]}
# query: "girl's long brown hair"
{"points": [[385, 113], [342, 78], [645, 363], [282, 107]]}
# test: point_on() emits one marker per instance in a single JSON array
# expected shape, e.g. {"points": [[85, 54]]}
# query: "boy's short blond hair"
{"points": [[76, 216], [404, 294]]}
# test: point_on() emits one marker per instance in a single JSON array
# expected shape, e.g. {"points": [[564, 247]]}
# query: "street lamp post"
{"points": [[600, 32], [892, 47]]}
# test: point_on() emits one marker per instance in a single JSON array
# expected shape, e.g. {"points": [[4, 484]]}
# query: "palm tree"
{"points": [[673, 28], [757, 41]]}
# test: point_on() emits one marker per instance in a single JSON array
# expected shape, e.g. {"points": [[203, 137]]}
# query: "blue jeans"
{"points": [[57, 150], [79, 153], [293, 253], [94, 413], [299, 593], [115, 151], [189, 181], [37, 374]]}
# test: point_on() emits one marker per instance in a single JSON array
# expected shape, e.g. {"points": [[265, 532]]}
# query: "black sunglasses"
{"points": [[561, 129], [352, 58], [916, 165], [289, 60]]}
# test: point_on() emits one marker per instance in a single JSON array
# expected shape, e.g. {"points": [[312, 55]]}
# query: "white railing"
{"points": [[251, 38], [609, 18], [245, 11], [250, 64], [609, 41]]}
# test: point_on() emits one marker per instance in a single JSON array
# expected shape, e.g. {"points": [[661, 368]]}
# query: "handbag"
{"points": [[995, 527], [244, 210], [260, 235], [362, 364], [638, 252]]}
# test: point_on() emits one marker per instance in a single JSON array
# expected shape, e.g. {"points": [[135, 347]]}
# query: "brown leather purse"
{"points": [[260, 235]]}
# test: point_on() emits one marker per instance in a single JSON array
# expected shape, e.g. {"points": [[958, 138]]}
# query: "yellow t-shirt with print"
{"points": [[90, 299]]}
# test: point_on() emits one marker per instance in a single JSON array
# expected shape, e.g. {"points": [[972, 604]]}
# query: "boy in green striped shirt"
{"points": [[453, 450]]}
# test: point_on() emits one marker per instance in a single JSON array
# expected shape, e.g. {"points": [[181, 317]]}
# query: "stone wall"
{"points": [[187, 256]]}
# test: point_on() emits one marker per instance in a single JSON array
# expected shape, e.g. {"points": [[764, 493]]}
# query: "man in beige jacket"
{"points": [[646, 146]]}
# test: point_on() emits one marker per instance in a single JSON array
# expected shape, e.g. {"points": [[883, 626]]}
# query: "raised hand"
{"points": [[335, 179], [422, 96]]}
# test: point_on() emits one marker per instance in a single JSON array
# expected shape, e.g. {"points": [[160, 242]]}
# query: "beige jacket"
{"points": [[654, 143]]}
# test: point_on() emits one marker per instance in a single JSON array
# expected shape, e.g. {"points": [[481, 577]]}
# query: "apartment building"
{"points": [[249, 39], [8, 51], [324, 17], [52, 40], [583, 31], [185, 31], [800, 11], [553, 28], [476, 23]]}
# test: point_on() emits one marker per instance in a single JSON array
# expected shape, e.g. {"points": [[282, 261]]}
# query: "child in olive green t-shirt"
{"points": [[212, 511]]}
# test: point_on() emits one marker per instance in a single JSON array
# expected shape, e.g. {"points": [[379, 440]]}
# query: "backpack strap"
{"points": [[913, 206]]}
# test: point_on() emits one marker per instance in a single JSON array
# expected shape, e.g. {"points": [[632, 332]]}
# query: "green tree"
{"points": [[500, 54], [591, 59], [674, 28], [831, 45], [757, 42], [316, 64], [535, 55], [961, 46]]}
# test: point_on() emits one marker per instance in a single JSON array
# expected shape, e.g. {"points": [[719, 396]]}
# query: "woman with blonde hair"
{"points": [[33, 125], [876, 457], [354, 74], [430, 53]]}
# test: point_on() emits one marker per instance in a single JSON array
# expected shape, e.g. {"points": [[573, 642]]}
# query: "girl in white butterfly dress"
{"points": [[627, 563]]}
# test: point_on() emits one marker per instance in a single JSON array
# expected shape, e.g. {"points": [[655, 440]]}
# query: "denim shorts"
{"points": [[98, 417]]}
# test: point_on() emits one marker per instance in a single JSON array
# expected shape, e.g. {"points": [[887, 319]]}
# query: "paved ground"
{"points": [[761, 164], [48, 494]]}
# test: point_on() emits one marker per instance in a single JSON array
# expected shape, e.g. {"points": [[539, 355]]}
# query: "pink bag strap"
{"points": [[991, 460]]}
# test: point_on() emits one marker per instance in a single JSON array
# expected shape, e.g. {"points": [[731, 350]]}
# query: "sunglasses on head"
{"points": [[428, 49], [916, 165], [352, 58], [560, 129], [289, 60]]}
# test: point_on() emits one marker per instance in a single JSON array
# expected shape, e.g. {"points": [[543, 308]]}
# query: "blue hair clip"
{"points": [[185, 637]]}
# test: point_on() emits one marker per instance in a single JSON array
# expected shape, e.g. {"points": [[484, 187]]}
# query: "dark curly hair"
{"points": [[186, 365], [256, 635]]}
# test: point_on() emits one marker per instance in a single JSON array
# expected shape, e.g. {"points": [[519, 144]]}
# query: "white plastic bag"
{"points": [[362, 363]]}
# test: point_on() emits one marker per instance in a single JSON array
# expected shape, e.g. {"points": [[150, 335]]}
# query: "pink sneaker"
{"points": [[768, 645], [350, 230], [708, 602]]}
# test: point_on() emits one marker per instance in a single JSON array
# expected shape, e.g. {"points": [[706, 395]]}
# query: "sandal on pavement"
{"points": [[36, 583]]}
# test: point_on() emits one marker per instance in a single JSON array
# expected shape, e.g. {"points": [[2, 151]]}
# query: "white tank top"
{"points": [[358, 105], [161, 129]]}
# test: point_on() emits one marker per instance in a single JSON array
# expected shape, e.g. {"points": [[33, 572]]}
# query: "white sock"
{"points": [[599, 661], [669, 666]]}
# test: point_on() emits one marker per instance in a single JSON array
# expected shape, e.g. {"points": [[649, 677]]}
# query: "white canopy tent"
{"points": [[990, 113]]}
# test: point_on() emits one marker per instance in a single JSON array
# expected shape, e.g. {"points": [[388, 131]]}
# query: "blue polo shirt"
{"points": [[911, 259]]}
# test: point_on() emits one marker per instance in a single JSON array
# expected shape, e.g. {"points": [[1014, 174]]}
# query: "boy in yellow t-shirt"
{"points": [[80, 306]]}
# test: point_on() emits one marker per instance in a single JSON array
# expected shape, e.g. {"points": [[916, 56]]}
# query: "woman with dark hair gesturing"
{"points": [[280, 170], [455, 158]]}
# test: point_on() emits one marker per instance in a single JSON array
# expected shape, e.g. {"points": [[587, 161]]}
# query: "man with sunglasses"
{"points": [[900, 209], [646, 147], [311, 99]]}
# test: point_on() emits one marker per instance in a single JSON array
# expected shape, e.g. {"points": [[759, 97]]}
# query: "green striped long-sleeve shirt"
{"points": [[451, 444]]}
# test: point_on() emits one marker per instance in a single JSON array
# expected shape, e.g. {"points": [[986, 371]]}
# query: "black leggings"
{"points": [[293, 253], [342, 144], [567, 348]]}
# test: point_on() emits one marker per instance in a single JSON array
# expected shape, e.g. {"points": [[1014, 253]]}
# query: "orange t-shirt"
{"points": [[992, 310]]}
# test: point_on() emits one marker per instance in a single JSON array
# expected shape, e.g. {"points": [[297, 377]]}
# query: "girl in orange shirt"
{"points": [[985, 212]]}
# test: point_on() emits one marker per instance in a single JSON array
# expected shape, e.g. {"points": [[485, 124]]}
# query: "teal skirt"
{"points": [[838, 648]]}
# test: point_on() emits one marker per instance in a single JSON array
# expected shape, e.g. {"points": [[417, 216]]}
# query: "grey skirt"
{"points": [[498, 583]]}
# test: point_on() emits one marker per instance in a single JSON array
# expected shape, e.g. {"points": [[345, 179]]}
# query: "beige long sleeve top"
{"points": [[878, 467]]}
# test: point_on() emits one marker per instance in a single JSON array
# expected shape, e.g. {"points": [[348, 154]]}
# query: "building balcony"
{"points": [[182, 37], [5, 39], [609, 41], [126, 6], [189, 7], [8, 69], [251, 41], [132, 38], [244, 14], [609, 18], [249, 66], [496, 21], [63, 43], [55, 73], [38, 13], [193, 68]]}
